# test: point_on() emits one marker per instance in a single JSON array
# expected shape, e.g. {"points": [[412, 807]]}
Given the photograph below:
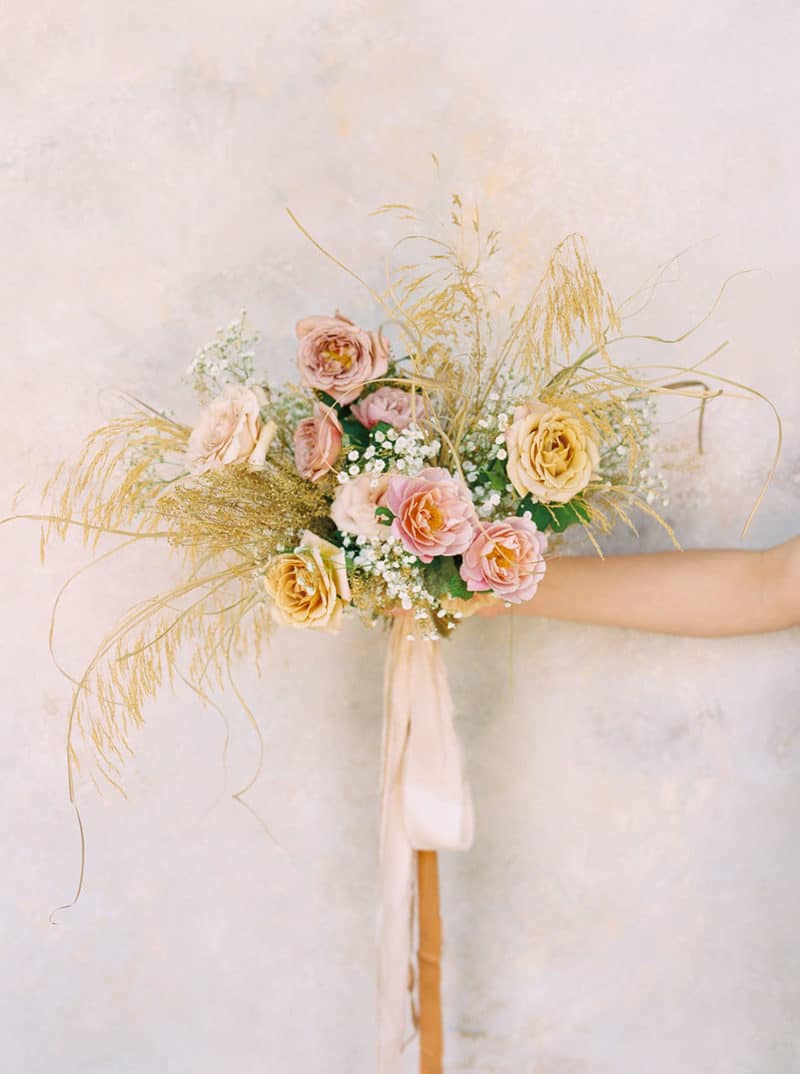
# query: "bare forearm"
{"points": [[697, 593]]}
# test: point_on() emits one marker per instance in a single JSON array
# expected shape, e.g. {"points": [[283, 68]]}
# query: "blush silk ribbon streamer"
{"points": [[425, 805]]}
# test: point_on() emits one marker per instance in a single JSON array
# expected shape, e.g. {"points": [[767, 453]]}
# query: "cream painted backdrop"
{"points": [[631, 902]]}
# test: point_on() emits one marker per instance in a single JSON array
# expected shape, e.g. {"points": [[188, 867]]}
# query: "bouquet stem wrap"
{"points": [[425, 806]]}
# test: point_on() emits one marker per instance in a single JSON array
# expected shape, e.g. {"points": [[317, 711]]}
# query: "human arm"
{"points": [[699, 593]]}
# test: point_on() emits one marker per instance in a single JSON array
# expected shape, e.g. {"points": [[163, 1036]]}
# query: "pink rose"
{"points": [[434, 515], [338, 357], [317, 443], [228, 429], [353, 507], [506, 557], [391, 405]]}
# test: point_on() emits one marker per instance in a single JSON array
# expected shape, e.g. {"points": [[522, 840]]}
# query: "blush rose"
{"points": [[506, 557], [227, 430], [353, 507]]}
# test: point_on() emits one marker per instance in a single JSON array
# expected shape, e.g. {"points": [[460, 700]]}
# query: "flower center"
{"points": [[340, 357], [434, 517], [502, 555]]}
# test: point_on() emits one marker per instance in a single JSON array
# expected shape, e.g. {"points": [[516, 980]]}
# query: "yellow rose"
{"points": [[552, 452], [309, 586]]}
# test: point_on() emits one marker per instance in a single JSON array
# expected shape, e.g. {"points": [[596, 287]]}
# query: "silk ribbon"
{"points": [[425, 805]]}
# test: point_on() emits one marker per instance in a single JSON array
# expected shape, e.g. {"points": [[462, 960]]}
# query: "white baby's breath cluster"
{"points": [[618, 459], [648, 479], [228, 358], [404, 451], [400, 572], [483, 454], [289, 406]]}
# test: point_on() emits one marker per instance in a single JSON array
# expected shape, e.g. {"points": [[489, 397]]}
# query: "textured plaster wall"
{"points": [[630, 906]]}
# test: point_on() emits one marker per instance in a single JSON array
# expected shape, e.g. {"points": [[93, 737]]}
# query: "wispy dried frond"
{"points": [[451, 317], [251, 513], [569, 305], [370, 596], [130, 479], [206, 615], [117, 477]]}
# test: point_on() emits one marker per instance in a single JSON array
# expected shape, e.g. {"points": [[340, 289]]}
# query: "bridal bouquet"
{"points": [[379, 486], [416, 467], [424, 473]]}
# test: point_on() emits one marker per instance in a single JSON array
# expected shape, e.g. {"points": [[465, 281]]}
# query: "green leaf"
{"points": [[355, 432], [495, 475], [384, 515], [328, 400], [458, 588], [443, 579], [324, 527], [380, 427], [555, 517]]}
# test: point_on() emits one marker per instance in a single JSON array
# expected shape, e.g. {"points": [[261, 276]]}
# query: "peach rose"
{"points": [[506, 557], [391, 405], [434, 513], [338, 357], [552, 452], [228, 429], [309, 586], [317, 443], [353, 507]]}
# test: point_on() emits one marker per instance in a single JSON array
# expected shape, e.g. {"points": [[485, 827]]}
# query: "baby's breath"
{"points": [[406, 451], [398, 572], [626, 458], [483, 454], [228, 359]]}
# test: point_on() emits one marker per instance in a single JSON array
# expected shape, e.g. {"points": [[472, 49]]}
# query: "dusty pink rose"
{"points": [[317, 443], [506, 557], [434, 515], [391, 405], [353, 507], [227, 430], [338, 357]]}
